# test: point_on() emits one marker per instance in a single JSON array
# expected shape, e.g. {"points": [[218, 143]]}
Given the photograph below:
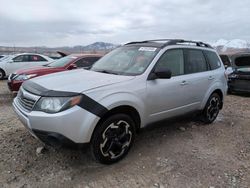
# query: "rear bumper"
{"points": [[239, 85]]}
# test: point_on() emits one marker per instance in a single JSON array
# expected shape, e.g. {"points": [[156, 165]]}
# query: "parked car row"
{"points": [[63, 64], [132, 86], [238, 72], [20, 61]]}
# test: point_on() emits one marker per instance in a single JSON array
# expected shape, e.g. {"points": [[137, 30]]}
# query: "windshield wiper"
{"points": [[106, 71]]}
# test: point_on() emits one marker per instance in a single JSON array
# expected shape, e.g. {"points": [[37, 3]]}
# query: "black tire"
{"points": [[113, 138], [2, 74], [211, 109]]}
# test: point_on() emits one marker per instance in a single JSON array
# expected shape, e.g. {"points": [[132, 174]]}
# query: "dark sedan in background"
{"points": [[239, 78], [66, 63]]}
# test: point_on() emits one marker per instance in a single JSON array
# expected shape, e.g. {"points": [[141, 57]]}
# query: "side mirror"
{"points": [[72, 66], [162, 73]]}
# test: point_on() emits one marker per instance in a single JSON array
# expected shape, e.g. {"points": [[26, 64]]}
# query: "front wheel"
{"points": [[113, 138], [2, 74], [212, 108]]}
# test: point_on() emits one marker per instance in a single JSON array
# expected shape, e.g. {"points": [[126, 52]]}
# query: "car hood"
{"points": [[78, 80], [38, 70]]}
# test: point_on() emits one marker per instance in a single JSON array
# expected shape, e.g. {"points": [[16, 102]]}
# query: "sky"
{"points": [[56, 23]]}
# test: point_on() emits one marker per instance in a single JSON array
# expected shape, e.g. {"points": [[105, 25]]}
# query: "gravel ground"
{"points": [[179, 153]]}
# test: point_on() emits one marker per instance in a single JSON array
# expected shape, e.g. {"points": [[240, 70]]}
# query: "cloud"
{"points": [[76, 22]]}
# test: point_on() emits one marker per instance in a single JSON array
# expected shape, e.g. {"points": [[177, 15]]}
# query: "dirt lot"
{"points": [[178, 153]]}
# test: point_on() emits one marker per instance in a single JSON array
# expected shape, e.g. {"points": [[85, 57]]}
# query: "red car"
{"points": [[66, 63]]}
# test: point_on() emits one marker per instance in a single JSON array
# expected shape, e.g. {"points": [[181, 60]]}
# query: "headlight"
{"points": [[24, 76], [56, 104], [230, 76]]}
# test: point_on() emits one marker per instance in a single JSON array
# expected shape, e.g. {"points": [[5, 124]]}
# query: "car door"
{"points": [[18, 62], [198, 76], [36, 60], [169, 97]]}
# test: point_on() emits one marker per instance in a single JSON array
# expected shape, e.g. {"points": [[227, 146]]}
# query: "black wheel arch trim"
{"points": [[86, 103]]}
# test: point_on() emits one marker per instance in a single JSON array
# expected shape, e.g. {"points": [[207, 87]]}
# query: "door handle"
{"points": [[183, 83], [210, 78]]}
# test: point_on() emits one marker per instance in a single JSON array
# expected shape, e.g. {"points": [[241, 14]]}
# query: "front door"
{"points": [[169, 97]]}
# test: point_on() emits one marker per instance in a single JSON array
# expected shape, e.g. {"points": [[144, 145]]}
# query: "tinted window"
{"points": [[86, 61], [242, 61], [21, 58], [225, 59], [213, 59], [172, 60], [37, 58], [195, 61]]}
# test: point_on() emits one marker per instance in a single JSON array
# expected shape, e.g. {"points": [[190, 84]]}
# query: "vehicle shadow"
{"points": [[240, 94]]}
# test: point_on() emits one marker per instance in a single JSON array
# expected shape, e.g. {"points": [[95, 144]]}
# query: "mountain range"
{"points": [[231, 46], [222, 46]]}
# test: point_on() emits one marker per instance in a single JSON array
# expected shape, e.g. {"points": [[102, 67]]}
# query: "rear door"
{"points": [[197, 75]]}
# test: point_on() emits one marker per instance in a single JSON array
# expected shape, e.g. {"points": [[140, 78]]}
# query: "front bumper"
{"points": [[239, 85], [14, 86], [75, 124]]}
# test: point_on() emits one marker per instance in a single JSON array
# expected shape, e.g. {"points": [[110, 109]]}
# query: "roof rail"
{"points": [[174, 42]]}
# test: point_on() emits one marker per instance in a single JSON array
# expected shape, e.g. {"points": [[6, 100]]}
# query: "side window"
{"points": [[21, 58], [226, 60], [37, 58], [195, 61], [213, 59], [86, 62], [172, 60]]}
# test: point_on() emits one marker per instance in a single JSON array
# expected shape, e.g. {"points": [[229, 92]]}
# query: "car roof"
{"points": [[161, 43]]}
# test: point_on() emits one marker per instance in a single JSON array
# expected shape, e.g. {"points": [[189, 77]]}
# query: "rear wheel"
{"points": [[2, 74], [113, 138], [212, 108]]}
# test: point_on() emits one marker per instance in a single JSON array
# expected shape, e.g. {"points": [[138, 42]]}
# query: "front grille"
{"points": [[25, 102]]}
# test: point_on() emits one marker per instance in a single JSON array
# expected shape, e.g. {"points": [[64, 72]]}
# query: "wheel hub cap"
{"points": [[116, 139]]}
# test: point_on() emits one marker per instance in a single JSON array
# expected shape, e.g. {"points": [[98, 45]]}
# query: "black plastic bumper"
{"points": [[55, 139], [239, 85]]}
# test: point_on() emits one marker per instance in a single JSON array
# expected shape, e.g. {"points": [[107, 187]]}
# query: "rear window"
{"points": [[213, 59], [242, 61]]}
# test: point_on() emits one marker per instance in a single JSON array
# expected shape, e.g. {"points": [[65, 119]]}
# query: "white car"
{"points": [[2, 57], [132, 86], [21, 61]]}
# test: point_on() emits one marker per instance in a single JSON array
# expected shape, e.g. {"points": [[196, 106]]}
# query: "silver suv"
{"points": [[130, 87]]}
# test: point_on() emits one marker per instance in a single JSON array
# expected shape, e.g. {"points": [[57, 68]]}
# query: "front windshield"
{"points": [[126, 60], [62, 61]]}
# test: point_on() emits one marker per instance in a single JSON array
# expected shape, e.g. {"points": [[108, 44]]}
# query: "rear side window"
{"points": [[37, 58], [213, 59], [195, 61], [172, 60]]}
